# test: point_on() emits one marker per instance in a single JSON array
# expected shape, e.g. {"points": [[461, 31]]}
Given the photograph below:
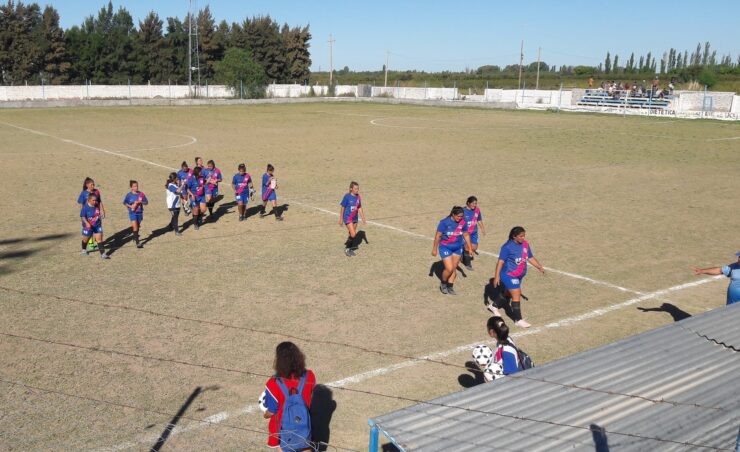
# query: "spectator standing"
{"points": [[732, 271]]}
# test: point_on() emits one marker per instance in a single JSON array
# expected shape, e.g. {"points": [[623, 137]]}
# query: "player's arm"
{"points": [[482, 227], [102, 210], [537, 265], [341, 215], [362, 215], [468, 243], [145, 201], [85, 222], [497, 274], [708, 271], [233, 186], [437, 236]]}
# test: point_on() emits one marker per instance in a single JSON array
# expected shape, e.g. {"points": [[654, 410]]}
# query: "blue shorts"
{"points": [[511, 282], [243, 198], [733, 294], [196, 201], [97, 229], [213, 192], [447, 251], [136, 216], [271, 197], [474, 238]]}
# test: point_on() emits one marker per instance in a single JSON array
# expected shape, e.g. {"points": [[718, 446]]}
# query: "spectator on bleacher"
{"points": [[591, 82], [672, 85], [732, 271]]}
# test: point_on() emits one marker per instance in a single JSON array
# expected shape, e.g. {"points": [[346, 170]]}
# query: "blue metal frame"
{"points": [[374, 442]]}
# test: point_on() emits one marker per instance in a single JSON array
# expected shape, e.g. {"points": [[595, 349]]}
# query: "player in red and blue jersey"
{"points": [[91, 216], [349, 213], [473, 221], [182, 182], [88, 188], [212, 177], [135, 201], [197, 196], [512, 267], [269, 193], [290, 370], [450, 239], [243, 188]]}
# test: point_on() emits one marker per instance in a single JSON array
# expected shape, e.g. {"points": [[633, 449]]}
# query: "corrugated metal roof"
{"points": [[666, 389]]}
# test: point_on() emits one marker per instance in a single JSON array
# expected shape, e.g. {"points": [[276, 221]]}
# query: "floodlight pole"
{"points": [[521, 61], [387, 56], [331, 59], [190, 49], [537, 85]]}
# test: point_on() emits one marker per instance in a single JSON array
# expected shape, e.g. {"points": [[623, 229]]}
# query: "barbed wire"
{"points": [[317, 341], [169, 415]]}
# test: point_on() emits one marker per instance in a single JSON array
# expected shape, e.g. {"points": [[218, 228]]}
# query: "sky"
{"points": [[436, 35]]}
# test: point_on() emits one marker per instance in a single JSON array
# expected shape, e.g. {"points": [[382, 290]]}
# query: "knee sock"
{"points": [[348, 242], [136, 237], [356, 241], [516, 310], [466, 259], [210, 208], [84, 245]]}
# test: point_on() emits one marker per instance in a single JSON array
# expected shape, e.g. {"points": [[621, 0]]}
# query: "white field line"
{"points": [[192, 140], [223, 416], [86, 146], [723, 139]]}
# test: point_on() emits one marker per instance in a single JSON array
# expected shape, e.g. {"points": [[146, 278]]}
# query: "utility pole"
{"points": [[521, 61], [193, 51], [331, 62], [537, 85], [387, 55]]}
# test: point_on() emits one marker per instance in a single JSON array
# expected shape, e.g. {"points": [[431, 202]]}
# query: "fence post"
{"points": [[241, 89], [560, 96], [206, 88], [43, 89], [374, 437]]}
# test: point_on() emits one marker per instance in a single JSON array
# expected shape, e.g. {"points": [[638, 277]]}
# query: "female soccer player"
{"points": [[173, 199], [135, 201], [473, 220], [291, 377], [732, 271], [182, 181], [243, 188], [450, 238], [512, 267], [88, 188], [92, 224], [212, 176], [351, 209], [505, 355], [197, 195], [269, 185]]}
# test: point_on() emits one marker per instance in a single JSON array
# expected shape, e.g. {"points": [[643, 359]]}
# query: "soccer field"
{"points": [[102, 355]]}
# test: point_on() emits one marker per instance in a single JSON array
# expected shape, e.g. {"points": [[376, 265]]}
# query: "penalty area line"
{"points": [[220, 417]]}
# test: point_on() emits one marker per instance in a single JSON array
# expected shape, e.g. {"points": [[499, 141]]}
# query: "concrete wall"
{"points": [[415, 93], [721, 102], [55, 92]]}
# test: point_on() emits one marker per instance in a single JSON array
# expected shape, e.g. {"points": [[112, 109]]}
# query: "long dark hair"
{"points": [[196, 172], [170, 180], [289, 360], [471, 199], [457, 210], [516, 230], [87, 181], [499, 327]]}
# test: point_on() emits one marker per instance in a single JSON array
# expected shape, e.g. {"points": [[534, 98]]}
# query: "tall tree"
{"points": [[607, 63], [641, 64], [150, 45], [631, 63], [56, 64], [263, 39], [21, 57], [705, 55], [298, 58], [175, 53], [616, 64], [211, 43]]}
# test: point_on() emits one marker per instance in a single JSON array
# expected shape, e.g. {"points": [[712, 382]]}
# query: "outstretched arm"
{"points": [[708, 271]]}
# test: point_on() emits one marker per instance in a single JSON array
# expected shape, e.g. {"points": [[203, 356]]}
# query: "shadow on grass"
{"points": [[13, 256], [677, 313]]}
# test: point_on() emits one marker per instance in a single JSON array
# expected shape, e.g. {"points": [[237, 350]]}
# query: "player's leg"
{"points": [[454, 261], [351, 230], [99, 238]]}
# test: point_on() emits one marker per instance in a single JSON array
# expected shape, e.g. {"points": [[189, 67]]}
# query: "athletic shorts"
{"points": [[212, 191], [97, 229], [447, 251], [474, 238], [733, 295], [271, 197], [511, 282], [348, 221], [136, 216], [242, 198], [196, 201]]}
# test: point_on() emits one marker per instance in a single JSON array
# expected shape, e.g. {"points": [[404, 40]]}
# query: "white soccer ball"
{"points": [[261, 402], [493, 371], [483, 355]]}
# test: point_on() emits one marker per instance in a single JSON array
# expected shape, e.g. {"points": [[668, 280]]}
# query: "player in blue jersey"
{"points": [[450, 239], [91, 216], [243, 188], [269, 193], [473, 221], [88, 188], [351, 209], [732, 271], [135, 201], [182, 180], [213, 177], [511, 269], [197, 196]]}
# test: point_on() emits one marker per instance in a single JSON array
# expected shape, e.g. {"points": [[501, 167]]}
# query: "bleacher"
{"points": [[601, 98]]}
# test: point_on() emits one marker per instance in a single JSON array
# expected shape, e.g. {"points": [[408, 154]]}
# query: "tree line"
{"points": [[108, 48]]}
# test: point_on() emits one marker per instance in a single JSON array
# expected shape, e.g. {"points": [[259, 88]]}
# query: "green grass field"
{"points": [[101, 355]]}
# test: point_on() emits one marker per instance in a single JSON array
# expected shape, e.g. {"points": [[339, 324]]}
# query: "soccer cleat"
{"points": [[140, 245], [443, 288], [196, 227], [469, 267], [451, 291], [178, 233], [494, 310], [347, 252], [84, 252], [263, 214], [104, 256], [241, 217], [522, 323], [280, 218]]}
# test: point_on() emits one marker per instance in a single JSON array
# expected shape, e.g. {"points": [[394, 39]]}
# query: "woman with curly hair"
{"points": [[286, 400]]}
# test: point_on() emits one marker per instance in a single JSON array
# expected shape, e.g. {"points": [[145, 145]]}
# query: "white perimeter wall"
{"points": [[54, 92]]}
